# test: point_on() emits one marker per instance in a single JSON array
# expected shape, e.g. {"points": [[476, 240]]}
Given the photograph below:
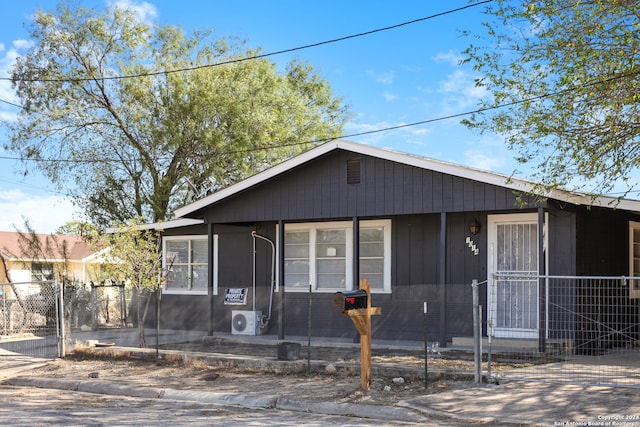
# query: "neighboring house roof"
{"points": [[412, 160], [76, 246]]}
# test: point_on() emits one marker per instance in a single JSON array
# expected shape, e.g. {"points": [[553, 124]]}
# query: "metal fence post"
{"points": [[94, 307], [4, 309], [426, 347], [123, 305], [62, 350], [309, 332]]}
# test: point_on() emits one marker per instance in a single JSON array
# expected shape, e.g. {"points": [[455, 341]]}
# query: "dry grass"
{"points": [[83, 352], [174, 359], [195, 363]]}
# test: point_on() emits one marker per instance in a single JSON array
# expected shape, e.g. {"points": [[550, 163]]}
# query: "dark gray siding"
{"points": [[603, 249], [318, 190], [602, 242], [422, 268]]}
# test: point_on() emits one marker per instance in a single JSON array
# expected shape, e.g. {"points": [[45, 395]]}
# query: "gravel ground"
{"points": [[192, 373]]}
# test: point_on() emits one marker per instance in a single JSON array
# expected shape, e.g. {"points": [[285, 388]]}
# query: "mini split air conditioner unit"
{"points": [[245, 322]]}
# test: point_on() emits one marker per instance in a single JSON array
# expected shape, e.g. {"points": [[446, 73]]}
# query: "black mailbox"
{"points": [[350, 300]]}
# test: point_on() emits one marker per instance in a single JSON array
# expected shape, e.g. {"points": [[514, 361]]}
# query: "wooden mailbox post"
{"points": [[361, 317]]}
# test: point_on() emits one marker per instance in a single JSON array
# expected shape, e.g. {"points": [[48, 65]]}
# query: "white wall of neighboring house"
{"points": [[19, 275], [80, 271]]}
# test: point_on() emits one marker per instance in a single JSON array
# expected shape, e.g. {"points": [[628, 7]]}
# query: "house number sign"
{"points": [[472, 246]]}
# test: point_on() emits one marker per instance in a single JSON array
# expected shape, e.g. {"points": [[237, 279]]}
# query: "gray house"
{"points": [[255, 257]]}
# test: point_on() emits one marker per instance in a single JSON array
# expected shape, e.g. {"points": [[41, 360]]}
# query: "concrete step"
{"points": [[513, 344]]}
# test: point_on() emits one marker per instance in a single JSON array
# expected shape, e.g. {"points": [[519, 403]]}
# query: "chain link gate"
{"points": [[586, 330], [31, 322]]}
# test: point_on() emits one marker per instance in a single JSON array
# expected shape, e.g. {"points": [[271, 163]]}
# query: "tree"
{"points": [[140, 117], [79, 229], [563, 76], [133, 257]]}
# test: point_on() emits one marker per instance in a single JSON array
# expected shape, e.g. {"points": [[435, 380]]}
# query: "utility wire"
{"points": [[264, 55], [312, 142], [37, 187], [386, 129], [11, 103]]}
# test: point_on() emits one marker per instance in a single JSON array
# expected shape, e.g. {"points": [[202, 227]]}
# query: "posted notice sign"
{"points": [[235, 296]]}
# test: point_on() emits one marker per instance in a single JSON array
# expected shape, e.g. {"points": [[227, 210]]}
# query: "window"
{"points": [[41, 271], [185, 263], [372, 256], [322, 254], [331, 258], [297, 254]]}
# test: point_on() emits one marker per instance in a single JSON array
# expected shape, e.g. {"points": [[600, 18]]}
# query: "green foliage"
{"points": [[133, 256], [79, 229], [134, 146], [566, 74]]}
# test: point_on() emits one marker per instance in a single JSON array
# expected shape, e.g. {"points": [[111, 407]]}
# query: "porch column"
{"points": [[356, 252], [210, 272], [542, 297], [442, 277], [281, 279]]}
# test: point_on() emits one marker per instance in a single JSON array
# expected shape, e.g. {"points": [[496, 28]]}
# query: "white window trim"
{"points": [[213, 258], [348, 226]]}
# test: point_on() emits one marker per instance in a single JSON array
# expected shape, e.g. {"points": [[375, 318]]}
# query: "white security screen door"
{"points": [[513, 249]]}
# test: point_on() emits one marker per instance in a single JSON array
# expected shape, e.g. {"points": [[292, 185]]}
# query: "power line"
{"points": [[386, 129], [11, 103], [36, 187], [499, 106], [264, 55]]}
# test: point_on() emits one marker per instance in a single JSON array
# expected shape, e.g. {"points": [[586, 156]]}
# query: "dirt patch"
{"points": [[185, 376], [177, 371]]}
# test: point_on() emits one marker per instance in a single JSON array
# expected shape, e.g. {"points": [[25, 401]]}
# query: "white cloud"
{"points": [[143, 10], [420, 131], [460, 93], [5, 115], [482, 159], [22, 44], [412, 68], [462, 82], [490, 152], [385, 78], [450, 57], [44, 213], [7, 94], [388, 96], [412, 139]]}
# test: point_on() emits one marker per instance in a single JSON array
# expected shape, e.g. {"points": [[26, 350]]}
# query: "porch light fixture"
{"points": [[474, 227]]}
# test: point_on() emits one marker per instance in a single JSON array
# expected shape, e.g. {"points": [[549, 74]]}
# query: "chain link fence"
{"points": [[91, 306], [579, 330], [30, 313], [30, 317]]}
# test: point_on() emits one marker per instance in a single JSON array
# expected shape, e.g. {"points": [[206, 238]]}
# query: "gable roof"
{"points": [[411, 160], [76, 246]]}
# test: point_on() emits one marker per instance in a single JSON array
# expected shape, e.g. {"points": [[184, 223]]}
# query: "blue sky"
{"points": [[390, 78]]}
